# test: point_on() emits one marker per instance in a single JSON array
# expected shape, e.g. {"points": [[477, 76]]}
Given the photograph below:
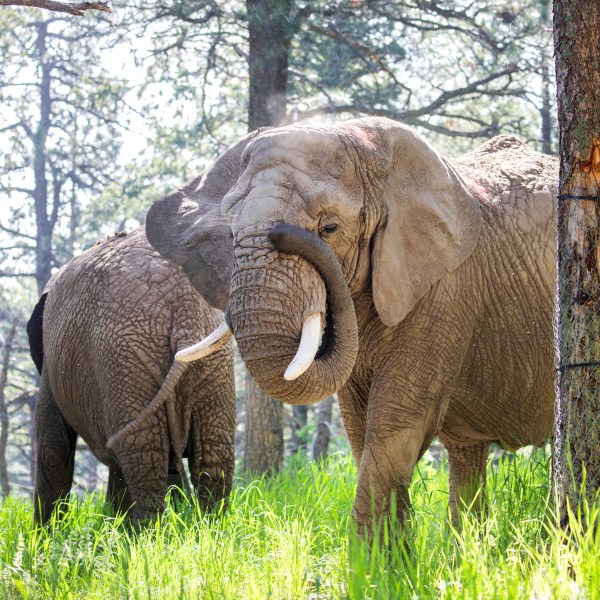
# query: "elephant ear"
{"points": [[431, 224], [187, 227]]}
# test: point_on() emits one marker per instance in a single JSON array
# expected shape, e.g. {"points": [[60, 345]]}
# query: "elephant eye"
{"points": [[329, 228]]}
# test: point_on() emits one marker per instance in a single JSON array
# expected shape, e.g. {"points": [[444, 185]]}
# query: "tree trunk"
{"points": [[546, 111], [298, 426], [270, 30], [263, 453], [8, 346], [320, 442], [33, 400], [577, 434], [44, 223]]}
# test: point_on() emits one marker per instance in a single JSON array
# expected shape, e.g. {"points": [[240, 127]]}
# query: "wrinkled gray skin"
{"points": [[112, 321], [444, 325]]}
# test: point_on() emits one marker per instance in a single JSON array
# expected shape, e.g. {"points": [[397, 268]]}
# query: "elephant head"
{"points": [[320, 218]]}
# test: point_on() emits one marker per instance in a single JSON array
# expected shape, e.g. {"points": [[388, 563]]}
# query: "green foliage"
{"points": [[291, 537]]}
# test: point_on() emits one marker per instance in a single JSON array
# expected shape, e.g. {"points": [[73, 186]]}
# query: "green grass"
{"points": [[292, 537]]}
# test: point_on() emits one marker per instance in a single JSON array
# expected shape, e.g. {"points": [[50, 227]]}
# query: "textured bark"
{"points": [[320, 442], [8, 347], [577, 435], [77, 8], [263, 453], [270, 30]]}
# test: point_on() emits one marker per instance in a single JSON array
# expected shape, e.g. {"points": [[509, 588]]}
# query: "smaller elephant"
{"points": [[103, 336]]}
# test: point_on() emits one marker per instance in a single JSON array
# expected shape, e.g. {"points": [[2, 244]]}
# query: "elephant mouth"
{"points": [[324, 346]]}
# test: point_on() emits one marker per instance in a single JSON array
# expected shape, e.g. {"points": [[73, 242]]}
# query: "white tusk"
{"points": [[309, 344], [207, 346]]}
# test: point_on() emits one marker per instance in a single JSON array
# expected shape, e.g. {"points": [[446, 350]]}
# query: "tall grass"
{"points": [[292, 537]]}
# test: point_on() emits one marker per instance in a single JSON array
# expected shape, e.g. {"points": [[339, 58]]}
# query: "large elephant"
{"points": [[111, 321], [419, 288]]}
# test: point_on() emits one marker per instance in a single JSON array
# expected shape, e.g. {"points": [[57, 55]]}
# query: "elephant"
{"points": [[103, 337], [419, 288]]}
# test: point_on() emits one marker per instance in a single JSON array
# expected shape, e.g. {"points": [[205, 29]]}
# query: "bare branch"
{"points": [[404, 117], [16, 233], [9, 274], [77, 9]]}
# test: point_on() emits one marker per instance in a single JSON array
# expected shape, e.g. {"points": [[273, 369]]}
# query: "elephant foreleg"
{"points": [[353, 408], [467, 475], [55, 459], [384, 476], [395, 439]]}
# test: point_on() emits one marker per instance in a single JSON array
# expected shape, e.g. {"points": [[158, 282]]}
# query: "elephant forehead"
{"points": [[292, 195], [305, 149]]}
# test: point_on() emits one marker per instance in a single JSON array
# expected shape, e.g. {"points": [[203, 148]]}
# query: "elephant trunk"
{"points": [[270, 301]]}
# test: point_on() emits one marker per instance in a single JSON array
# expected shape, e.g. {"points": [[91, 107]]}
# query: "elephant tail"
{"points": [[163, 395]]}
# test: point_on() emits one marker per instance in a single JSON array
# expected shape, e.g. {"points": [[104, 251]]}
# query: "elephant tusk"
{"points": [[309, 344], [208, 345]]}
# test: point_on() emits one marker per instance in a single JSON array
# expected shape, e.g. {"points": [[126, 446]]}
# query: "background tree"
{"points": [[60, 123], [62, 138], [270, 31], [577, 436], [4, 424]]}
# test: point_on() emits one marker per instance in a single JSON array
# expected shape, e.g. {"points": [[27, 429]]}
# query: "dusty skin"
{"points": [[112, 320], [433, 278]]}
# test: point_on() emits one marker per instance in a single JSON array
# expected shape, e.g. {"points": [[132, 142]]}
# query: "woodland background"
{"points": [[103, 113]]}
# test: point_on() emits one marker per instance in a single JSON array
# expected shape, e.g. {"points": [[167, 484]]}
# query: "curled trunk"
{"points": [[272, 292]]}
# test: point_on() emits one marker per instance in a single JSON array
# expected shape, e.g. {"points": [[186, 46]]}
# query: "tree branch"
{"points": [[16, 233], [77, 9], [404, 117]]}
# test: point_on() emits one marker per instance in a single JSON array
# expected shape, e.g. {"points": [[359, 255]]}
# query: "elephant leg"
{"points": [[384, 476], [117, 493], [211, 452], [394, 441], [353, 408], [143, 457], [467, 475], [55, 459]]}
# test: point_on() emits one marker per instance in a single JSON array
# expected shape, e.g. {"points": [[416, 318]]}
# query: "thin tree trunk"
{"points": [[8, 346], [44, 222], [577, 435], [263, 453], [546, 112], [320, 442], [33, 400], [270, 31], [298, 426]]}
